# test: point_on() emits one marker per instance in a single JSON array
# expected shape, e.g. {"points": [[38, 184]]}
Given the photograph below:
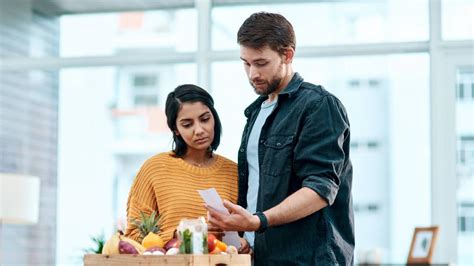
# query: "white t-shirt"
{"points": [[252, 160]]}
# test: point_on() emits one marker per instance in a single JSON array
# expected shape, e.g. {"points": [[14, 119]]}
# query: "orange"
{"points": [[221, 246]]}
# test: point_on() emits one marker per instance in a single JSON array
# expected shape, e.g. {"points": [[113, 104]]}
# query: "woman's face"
{"points": [[195, 124]]}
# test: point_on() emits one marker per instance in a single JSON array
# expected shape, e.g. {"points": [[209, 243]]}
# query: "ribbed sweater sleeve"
{"points": [[168, 185], [141, 198]]}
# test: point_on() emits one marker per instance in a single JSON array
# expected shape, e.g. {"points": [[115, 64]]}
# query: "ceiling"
{"points": [[65, 7]]}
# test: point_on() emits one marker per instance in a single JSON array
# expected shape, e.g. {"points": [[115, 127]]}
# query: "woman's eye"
{"points": [[186, 125]]}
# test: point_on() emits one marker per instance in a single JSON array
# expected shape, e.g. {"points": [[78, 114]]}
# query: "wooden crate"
{"points": [[177, 260]]}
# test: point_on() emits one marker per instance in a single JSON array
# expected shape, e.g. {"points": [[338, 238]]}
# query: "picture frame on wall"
{"points": [[423, 245]]}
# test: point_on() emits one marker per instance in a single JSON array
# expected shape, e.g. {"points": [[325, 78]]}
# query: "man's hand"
{"points": [[245, 247], [238, 220]]}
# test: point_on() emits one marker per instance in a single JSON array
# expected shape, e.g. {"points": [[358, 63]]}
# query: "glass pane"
{"points": [[118, 33], [387, 98], [328, 23], [465, 165], [458, 19], [106, 132]]}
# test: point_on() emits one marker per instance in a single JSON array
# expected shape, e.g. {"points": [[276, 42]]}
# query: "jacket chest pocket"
{"points": [[277, 155]]}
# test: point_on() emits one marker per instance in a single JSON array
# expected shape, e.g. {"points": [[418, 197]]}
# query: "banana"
{"points": [[111, 247]]}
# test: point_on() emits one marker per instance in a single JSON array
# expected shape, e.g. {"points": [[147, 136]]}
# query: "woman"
{"points": [[168, 182]]}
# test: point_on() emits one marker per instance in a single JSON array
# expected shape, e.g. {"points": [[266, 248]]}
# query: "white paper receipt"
{"points": [[212, 198]]}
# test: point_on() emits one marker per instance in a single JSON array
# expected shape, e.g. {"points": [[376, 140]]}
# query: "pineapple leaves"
{"points": [[147, 223]]}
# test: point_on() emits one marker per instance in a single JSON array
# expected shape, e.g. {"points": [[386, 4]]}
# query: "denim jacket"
{"points": [[303, 143]]}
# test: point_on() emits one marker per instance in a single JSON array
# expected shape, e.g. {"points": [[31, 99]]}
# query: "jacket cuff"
{"points": [[325, 187]]}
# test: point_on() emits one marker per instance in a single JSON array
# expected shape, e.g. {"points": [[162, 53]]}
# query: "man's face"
{"points": [[265, 69]]}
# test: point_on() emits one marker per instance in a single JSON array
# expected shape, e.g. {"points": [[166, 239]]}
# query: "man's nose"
{"points": [[253, 73]]}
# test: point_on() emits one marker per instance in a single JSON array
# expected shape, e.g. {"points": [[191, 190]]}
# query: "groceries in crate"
{"points": [[152, 240], [120, 244], [216, 246], [172, 243], [192, 238], [154, 251], [148, 227]]}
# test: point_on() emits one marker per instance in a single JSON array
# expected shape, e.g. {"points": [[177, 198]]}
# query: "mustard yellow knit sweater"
{"points": [[168, 185]]}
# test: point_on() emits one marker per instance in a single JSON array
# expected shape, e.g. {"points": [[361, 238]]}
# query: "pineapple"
{"points": [[147, 224]]}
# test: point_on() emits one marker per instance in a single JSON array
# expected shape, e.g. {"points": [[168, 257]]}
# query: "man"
{"points": [[295, 175]]}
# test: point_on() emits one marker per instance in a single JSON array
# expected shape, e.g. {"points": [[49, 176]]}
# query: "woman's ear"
{"points": [[176, 132]]}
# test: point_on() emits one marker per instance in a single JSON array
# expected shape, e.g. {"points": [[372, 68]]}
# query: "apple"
{"points": [[211, 242]]}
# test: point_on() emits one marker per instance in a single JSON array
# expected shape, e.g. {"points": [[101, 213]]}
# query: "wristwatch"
{"points": [[263, 222]]}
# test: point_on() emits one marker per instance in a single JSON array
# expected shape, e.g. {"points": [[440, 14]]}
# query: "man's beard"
{"points": [[271, 87]]}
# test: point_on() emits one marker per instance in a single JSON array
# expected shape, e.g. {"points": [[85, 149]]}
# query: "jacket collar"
{"points": [[293, 86], [287, 92]]}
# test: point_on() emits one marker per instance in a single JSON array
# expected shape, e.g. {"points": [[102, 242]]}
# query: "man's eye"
{"points": [[246, 64], [261, 64]]}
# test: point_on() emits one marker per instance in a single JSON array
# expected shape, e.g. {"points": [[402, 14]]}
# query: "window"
{"points": [[461, 91], [457, 22], [465, 165], [330, 23], [145, 89], [466, 217], [466, 152], [121, 33], [465, 86]]}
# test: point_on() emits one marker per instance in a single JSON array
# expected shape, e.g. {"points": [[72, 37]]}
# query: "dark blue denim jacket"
{"points": [[303, 143]]}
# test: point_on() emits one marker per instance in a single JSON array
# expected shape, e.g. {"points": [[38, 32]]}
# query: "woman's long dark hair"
{"points": [[189, 93]]}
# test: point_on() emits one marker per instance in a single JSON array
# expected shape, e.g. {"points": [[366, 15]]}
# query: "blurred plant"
{"points": [[99, 242]]}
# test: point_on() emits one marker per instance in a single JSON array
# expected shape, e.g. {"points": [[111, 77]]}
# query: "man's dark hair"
{"points": [[189, 93], [263, 28]]}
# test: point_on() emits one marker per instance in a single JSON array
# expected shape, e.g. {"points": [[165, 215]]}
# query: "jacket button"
{"points": [[242, 150], [261, 141], [278, 144]]}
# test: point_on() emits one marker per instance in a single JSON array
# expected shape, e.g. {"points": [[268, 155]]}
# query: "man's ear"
{"points": [[288, 55]]}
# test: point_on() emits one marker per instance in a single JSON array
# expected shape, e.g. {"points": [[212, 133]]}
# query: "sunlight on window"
{"points": [[118, 33], [457, 19], [327, 23]]}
